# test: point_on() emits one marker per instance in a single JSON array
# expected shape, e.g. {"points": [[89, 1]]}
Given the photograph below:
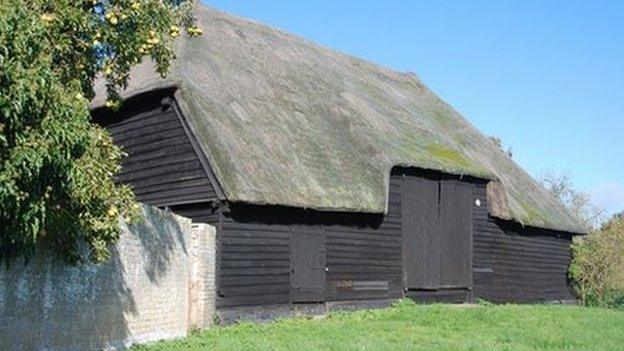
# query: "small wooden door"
{"points": [[307, 257]]}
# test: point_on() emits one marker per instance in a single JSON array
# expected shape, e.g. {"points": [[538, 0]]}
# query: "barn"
{"points": [[332, 180]]}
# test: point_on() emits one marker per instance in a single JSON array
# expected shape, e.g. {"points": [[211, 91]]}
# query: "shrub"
{"points": [[598, 266]]}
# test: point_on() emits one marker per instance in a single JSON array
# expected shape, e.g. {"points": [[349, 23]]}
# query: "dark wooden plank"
{"points": [[194, 192], [181, 169], [342, 241], [391, 255], [173, 151], [139, 120], [170, 185], [170, 123], [251, 298], [282, 280], [158, 161]]}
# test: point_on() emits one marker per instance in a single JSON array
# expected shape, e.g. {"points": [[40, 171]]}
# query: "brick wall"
{"points": [[203, 287], [158, 284]]}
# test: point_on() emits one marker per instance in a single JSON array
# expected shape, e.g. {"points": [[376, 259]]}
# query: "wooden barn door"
{"points": [[420, 233], [437, 233], [307, 261], [455, 232]]}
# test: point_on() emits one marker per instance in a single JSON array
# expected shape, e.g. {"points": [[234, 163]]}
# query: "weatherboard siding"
{"points": [[363, 253], [364, 257], [518, 264], [198, 212], [162, 166], [254, 263]]}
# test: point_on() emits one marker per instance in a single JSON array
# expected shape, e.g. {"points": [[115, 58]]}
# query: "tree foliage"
{"points": [[598, 265], [56, 167], [577, 201]]}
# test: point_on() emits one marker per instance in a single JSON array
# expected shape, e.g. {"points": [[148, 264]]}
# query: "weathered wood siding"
{"points": [[162, 166], [253, 260], [200, 213], [516, 264], [363, 253]]}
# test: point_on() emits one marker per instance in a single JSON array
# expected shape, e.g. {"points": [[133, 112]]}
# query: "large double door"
{"points": [[437, 233]]}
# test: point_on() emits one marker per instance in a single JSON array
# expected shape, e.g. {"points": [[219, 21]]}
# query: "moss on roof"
{"points": [[285, 121]]}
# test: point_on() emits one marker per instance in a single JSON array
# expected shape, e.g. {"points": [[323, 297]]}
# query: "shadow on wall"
{"points": [[158, 248], [47, 304]]}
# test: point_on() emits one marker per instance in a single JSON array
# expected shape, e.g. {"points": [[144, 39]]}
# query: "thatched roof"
{"points": [[285, 121]]}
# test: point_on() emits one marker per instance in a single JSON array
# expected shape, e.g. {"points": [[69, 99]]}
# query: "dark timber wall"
{"points": [[510, 263], [516, 264], [162, 166], [363, 253]]}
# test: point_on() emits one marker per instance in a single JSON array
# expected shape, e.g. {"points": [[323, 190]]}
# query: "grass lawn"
{"points": [[406, 326]]}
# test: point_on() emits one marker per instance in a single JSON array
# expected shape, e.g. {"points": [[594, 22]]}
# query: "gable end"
{"points": [[164, 165]]}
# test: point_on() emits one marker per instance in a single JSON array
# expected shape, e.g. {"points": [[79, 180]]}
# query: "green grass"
{"points": [[406, 326]]}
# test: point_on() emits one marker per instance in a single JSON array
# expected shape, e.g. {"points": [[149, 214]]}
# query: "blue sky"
{"points": [[545, 76]]}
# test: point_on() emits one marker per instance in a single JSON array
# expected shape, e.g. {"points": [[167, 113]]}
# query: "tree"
{"points": [[578, 202], [598, 265], [56, 167]]}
